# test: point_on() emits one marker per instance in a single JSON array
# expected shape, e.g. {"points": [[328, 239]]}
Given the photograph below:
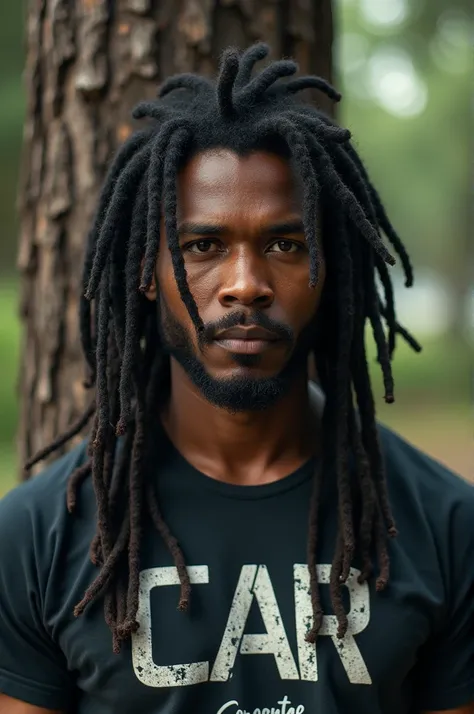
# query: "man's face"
{"points": [[241, 235]]}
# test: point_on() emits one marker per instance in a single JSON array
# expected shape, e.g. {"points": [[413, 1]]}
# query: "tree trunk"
{"points": [[88, 63]]}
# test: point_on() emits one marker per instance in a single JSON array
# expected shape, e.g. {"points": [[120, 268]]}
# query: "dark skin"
{"points": [[244, 196], [256, 259]]}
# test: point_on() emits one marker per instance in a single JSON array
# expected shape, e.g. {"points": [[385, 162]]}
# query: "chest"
{"points": [[244, 640], [241, 647]]}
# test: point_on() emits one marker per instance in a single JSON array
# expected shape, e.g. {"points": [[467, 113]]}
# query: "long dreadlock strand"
{"points": [[382, 551], [365, 403], [78, 477], [127, 151], [106, 573], [383, 220], [345, 287], [368, 497], [133, 316], [366, 447], [121, 604], [312, 547], [404, 334], [304, 168], [389, 313], [383, 356], [354, 166], [121, 198], [136, 517], [371, 441], [113, 377], [332, 439], [362, 193], [346, 198], [96, 551], [102, 350], [176, 146], [335, 589], [117, 307], [155, 191], [100, 443], [173, 547], [366, 196]]}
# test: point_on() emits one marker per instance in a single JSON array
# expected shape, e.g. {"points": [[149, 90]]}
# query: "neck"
{"points": [[246, 448]]}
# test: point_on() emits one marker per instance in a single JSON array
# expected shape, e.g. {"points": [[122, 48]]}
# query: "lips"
{"points": [[247, 333], [246, 340]]}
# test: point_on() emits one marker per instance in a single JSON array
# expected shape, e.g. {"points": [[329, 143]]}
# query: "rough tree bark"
{"points": [[88, 62]]}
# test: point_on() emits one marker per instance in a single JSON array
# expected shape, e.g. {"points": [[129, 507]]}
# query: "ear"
{"points": [[152, 292]]}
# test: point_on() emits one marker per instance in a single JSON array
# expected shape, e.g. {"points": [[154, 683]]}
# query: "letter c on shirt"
{"points": [[146, 671]]}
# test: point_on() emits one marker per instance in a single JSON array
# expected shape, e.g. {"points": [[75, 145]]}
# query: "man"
{"points": [[235, 235]]}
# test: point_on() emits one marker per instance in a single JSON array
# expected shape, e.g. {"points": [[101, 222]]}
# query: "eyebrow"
{"points": [[200, 229], [285, 228], [276, 229]]}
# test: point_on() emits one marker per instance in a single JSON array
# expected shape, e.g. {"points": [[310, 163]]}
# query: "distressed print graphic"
{"points": [[254, 584]]}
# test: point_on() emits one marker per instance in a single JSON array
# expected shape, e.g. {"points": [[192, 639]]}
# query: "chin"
{"points": [[248, 362], [243, 392], [245, 367]]}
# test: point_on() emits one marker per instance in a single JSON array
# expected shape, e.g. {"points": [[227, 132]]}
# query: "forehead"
{"points": [[219, 181]]}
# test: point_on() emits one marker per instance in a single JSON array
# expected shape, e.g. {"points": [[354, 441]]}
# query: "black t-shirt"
{"points": [[241, 648]]}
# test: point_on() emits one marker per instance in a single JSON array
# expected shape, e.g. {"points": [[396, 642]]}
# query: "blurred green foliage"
{"points": [[420, 162]]}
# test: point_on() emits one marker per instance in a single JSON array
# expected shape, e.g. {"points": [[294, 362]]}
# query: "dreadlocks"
{"points": [[120, 336]]}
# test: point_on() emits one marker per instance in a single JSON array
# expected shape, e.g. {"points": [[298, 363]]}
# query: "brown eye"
{"points": [[202, 246], [284, 246]]}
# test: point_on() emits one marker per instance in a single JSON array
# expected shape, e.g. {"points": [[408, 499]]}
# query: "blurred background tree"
{"points": [[405, 67]]}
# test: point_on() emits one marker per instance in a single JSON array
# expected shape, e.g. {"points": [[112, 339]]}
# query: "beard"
{"points": [[239, 393]]}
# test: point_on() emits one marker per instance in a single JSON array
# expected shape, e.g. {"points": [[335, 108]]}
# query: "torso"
{"points": [[241, 647]]}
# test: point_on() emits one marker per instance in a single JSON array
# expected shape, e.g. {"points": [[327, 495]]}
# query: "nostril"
{"points": [[262, 300], [247, 294]]}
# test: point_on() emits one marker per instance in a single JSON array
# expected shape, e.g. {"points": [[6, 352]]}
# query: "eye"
{"points": [[284, 246], [200, 247]]}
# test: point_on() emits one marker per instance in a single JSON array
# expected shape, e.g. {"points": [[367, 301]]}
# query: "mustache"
{"points": [[245, 319]]}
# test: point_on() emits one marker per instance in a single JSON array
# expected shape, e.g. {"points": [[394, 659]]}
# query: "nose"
{"points": [[245, 282]]}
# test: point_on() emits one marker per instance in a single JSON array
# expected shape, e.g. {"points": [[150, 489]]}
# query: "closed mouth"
{"points": [[247, 340], [250, 334]]}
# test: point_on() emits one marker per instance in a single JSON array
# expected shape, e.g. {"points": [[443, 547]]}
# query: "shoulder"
{"points": [[420, 487], [42, 498], [405, 463]]}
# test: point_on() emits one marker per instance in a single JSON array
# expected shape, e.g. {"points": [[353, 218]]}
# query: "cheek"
{"points": [[168, 288], [202, 280], [297, 299]]}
